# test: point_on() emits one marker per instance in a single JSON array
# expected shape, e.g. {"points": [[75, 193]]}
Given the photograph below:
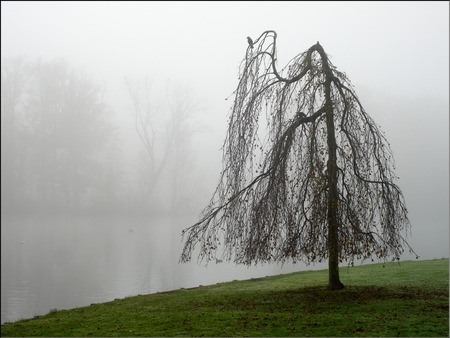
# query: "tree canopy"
{"points": [[307, 174]]}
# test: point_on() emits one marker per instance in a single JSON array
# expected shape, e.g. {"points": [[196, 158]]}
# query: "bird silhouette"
{"points": [[250, 41], [300, 114]]}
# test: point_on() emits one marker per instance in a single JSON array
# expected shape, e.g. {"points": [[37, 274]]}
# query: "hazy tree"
{"points": [[107, 194], [69, 125], [145, 118], [14, 78], [86, 134], [313, 181], [164, 129], [44, 110], [182, 107]]}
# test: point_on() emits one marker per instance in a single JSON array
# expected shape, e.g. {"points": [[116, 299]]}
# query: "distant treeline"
{"points": [[61, 151]]}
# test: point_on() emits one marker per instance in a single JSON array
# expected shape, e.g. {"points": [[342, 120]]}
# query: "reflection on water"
{"points": [[62, 262]]}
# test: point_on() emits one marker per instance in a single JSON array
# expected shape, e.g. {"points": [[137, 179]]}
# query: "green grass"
{"points": [[406, 299]]}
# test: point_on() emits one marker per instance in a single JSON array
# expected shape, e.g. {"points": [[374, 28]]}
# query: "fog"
{"points": [[118, 109]]}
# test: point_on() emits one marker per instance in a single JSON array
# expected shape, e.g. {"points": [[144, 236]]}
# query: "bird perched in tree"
{"points": [[300, 114], [250, 41]]}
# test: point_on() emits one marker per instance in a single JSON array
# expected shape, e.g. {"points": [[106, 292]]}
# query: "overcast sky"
{"points": [[395, 53], [401, 47]]}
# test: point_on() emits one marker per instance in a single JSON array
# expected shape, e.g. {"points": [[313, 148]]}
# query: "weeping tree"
{"points": [[307, 174]]}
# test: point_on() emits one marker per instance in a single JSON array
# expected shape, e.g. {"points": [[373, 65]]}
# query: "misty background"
{"points": [[113, 115]]}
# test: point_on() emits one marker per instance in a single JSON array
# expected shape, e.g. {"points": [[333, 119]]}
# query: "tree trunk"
{"points": [[334, 283]]}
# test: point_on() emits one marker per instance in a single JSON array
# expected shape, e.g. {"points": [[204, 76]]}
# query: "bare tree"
{"points": [[182, 106], [144, 118], [14, 78], [165, 129], [316, 183]]}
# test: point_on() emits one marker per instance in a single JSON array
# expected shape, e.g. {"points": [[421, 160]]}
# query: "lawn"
{"points": [[409, 299]]}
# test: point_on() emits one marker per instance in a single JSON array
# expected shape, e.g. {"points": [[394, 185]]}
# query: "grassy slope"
{"points": [[406, 299]]}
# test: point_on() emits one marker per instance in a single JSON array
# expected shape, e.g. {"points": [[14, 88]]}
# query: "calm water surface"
{"points": [[66, 262]]}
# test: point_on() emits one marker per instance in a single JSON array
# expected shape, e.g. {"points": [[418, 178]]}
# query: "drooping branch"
{"points": [[273, 198]]}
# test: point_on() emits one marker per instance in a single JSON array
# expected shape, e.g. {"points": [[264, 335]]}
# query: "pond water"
{"points": [[67, 262]]}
